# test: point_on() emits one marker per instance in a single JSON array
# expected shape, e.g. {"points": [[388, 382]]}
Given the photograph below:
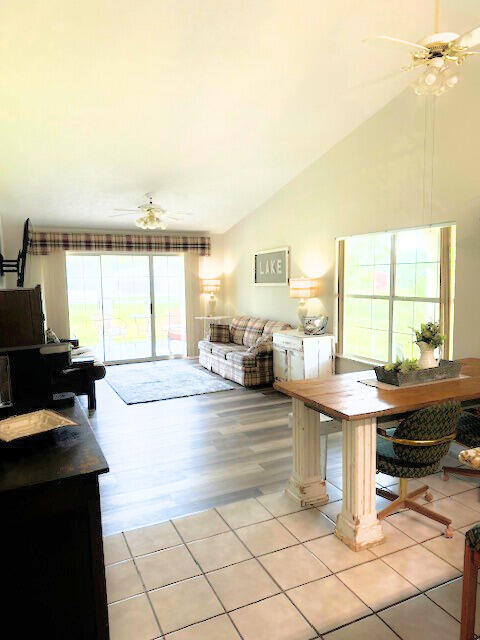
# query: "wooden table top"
{"points": [[344, 397]]}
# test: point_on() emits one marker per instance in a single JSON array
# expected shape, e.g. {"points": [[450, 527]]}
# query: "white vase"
{"points": [[427, 358]]}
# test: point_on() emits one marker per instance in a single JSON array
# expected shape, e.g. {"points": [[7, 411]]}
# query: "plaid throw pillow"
{"points": [[219, 333]]}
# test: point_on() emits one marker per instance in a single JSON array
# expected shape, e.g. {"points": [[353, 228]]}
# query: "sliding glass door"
{"points": [[128, 308], [169, 309], [85, 305]]}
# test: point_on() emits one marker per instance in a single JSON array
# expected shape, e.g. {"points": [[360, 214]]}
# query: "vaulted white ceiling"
{"points": [[213, 105]]}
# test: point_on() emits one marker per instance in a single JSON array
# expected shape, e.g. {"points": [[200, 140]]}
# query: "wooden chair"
{"points": [[414, 449], [468, 435], [471, 565]]}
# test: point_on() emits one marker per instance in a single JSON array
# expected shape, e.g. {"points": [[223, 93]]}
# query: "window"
{"points": [[389, 283]]}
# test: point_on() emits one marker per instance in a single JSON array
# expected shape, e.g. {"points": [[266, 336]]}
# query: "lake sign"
{"points": [[271, 267]]}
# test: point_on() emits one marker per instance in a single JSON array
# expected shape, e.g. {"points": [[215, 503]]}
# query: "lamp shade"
{"points": [[210, 285], [304, 287]]}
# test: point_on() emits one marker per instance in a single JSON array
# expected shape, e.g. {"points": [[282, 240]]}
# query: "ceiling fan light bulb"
{"points": [[452, 81], [430, 78], [439, 63]]}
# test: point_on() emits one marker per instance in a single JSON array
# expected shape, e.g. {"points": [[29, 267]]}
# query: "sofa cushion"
{"points": [[205, 345], [253, 331], [271, 326], [237, 329], [221, 350], [219, 333], [242, 358]]}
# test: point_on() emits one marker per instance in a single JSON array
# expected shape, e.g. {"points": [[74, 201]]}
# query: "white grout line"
{"points": [[208, 581], [283, 591], [143, 584]]}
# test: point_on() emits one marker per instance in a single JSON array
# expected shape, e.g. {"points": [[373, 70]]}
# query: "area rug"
{"points": [[163, 380]]}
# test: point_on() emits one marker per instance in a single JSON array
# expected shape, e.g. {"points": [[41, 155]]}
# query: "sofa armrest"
{"points": [[262, 347]]}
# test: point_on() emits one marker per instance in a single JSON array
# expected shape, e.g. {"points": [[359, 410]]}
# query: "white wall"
{"points": [[372, 181]]}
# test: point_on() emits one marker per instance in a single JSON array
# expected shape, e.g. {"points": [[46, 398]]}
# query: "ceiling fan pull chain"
{"points": [[436, 17]]}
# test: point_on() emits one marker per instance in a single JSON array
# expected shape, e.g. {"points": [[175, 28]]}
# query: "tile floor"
{"points": [[265, 569]]}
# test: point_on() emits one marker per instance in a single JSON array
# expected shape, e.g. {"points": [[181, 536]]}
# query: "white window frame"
{"points": [[445, 298]]}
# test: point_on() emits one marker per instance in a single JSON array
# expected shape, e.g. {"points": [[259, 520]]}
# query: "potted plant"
{"points": [[397, 373], [428, 339], [406, 372]]}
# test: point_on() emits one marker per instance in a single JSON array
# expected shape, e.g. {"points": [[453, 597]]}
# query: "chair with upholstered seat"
{"points": [[414, 449], [468, 435]]}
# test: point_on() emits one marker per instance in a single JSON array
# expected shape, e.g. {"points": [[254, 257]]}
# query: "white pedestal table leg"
{"points": [[307, 482], [357, 524]]}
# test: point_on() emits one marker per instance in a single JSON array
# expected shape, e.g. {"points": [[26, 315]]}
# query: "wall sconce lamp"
{"points": [[211, 286], [303, 288]]}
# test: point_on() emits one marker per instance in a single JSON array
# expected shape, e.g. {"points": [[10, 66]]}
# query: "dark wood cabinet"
{"points": [[51, 535], [21, 317]]}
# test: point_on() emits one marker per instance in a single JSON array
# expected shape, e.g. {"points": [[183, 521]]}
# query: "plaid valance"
{"points": [[44, 242]]}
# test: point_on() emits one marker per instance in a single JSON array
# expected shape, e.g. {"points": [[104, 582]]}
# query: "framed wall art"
{"points": [[271, 267]]}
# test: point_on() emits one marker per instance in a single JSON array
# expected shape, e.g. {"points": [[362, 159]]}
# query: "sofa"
{"points": [[241, 351]]}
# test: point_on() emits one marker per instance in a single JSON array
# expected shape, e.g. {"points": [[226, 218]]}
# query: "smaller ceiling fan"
{"points": [[438, 54], [153, 216]]}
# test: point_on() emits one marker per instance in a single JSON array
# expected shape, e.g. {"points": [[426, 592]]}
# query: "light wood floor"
{"points": [[178, 456], [175, 457]]}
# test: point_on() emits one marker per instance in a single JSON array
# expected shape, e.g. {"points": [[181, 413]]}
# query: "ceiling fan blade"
{"points": [[175, 216], [468, 40], [398, 41], [118, 215], [129, 210]]}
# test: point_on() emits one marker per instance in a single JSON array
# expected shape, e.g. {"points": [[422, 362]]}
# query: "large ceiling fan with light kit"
{"points": [[153, 216], [440, 55]]}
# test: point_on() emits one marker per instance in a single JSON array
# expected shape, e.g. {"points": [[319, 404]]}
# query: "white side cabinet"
{"points": [[297, 355]]}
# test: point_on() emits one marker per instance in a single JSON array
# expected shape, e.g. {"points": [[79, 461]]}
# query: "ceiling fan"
{"points": [[153, 216], [439, 54]]}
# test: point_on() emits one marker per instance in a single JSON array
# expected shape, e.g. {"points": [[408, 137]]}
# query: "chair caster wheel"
{"points": [[449, 532], [428, 496]]}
